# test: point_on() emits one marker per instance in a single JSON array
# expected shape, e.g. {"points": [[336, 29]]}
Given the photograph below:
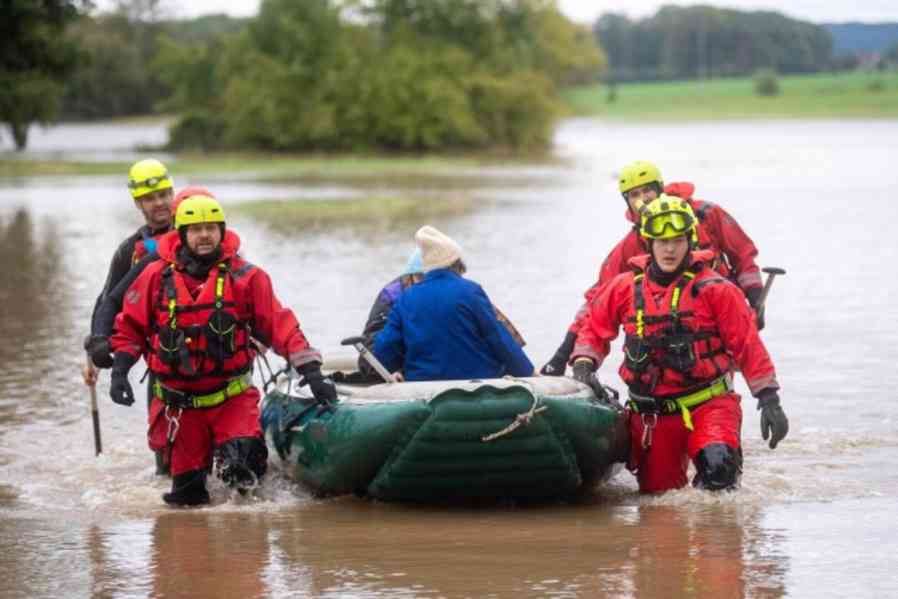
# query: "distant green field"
{"points": [[849, 95]]}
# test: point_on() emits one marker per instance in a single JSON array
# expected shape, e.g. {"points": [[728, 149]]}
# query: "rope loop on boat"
{"points": [[521, 419]]}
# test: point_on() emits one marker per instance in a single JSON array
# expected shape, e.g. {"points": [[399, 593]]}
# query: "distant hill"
{"points": [[850, 38]]}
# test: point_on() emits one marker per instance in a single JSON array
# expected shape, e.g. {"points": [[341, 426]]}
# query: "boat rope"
{"points": [[521, 419]]}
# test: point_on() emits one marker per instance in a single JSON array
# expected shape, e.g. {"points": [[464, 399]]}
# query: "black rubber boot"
{"points": [[719, 467], [188, 488], [242, 462]]}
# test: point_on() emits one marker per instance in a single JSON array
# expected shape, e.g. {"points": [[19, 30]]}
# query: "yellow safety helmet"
{"points": [[639, 173], [147, 176], [198, 209], [667, 217]]}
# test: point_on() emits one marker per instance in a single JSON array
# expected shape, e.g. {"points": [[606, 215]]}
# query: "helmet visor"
{"points": [[677, 223]]}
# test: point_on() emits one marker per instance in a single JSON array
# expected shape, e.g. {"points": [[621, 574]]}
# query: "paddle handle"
{"points": [[95, 415], [375, 363], [772, 272]]}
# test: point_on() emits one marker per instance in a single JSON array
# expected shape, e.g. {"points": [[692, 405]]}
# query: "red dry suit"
{"points": [[734, 251], [680, 339], [195, 336]]}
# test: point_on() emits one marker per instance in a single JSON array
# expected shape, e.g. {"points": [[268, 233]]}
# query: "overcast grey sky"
{"points": [[820, 11]]}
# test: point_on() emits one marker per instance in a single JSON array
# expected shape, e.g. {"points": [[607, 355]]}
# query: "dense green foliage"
{"points": [[34, 60], [113, 76], [703, 41], [399, 75]]}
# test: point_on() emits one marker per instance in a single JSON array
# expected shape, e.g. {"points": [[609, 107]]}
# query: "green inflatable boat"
{"points": [[530, 438]]}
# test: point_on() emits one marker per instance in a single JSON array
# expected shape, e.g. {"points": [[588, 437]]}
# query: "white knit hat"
{"points": [[437, 249]]}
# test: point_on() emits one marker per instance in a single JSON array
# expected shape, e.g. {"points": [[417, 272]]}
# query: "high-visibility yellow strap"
{"points": [[683, 404], [235, 386], [718, 387], [687, 417], [172, 318], [219, 285], [638, 302], [678, 290]]}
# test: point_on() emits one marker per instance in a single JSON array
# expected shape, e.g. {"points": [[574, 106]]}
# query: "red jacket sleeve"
{"points": [[275, 325], [614, 264], [132, 325], [603, 322], [736, 324], [736, 245], [617, 261]]}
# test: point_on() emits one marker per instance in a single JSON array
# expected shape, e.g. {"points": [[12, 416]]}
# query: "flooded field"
{"points": [[812, 518]]}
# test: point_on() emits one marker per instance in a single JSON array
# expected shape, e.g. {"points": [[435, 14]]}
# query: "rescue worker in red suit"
{"points": [[687, 330], [734, 252], [192, 315]]}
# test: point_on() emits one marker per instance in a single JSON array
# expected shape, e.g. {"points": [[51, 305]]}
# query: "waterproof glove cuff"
{"points": [[122, 362], [321, 386], [558, 363], [774, 423], [99, 350], [120, 388]]}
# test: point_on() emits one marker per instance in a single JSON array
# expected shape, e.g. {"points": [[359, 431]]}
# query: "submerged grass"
{"points": [[261, 165], [844, 95], [289, 215]]}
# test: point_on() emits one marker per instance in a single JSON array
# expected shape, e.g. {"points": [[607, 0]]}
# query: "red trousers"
{"points": [[201, 430], [663, 465]]}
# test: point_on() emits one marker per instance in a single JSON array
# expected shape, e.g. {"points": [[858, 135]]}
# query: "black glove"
{"points": [[754, 296], [120, 389], [321, 386], [556, 366], [99, 350], [774, 423], [585, 372]]}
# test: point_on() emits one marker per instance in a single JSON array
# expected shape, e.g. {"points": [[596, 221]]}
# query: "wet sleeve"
{"points": [[739, 333], [389, 345], [499, 340], [618, 261], [275, 325], [738, 247], [111, 304], [603, 323], [615, 263], [131, 328], [118, 268]]}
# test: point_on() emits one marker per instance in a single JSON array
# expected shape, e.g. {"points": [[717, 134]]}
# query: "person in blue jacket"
{"points": [[445, 327]]}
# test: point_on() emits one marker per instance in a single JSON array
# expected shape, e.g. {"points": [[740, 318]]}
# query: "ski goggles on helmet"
{"points": [[665, 225], [150, 183]]}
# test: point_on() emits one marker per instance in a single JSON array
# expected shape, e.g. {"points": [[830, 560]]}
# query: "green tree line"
{"points": [[318, 74], [703, 41], [35, 59], [386, 74]]}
